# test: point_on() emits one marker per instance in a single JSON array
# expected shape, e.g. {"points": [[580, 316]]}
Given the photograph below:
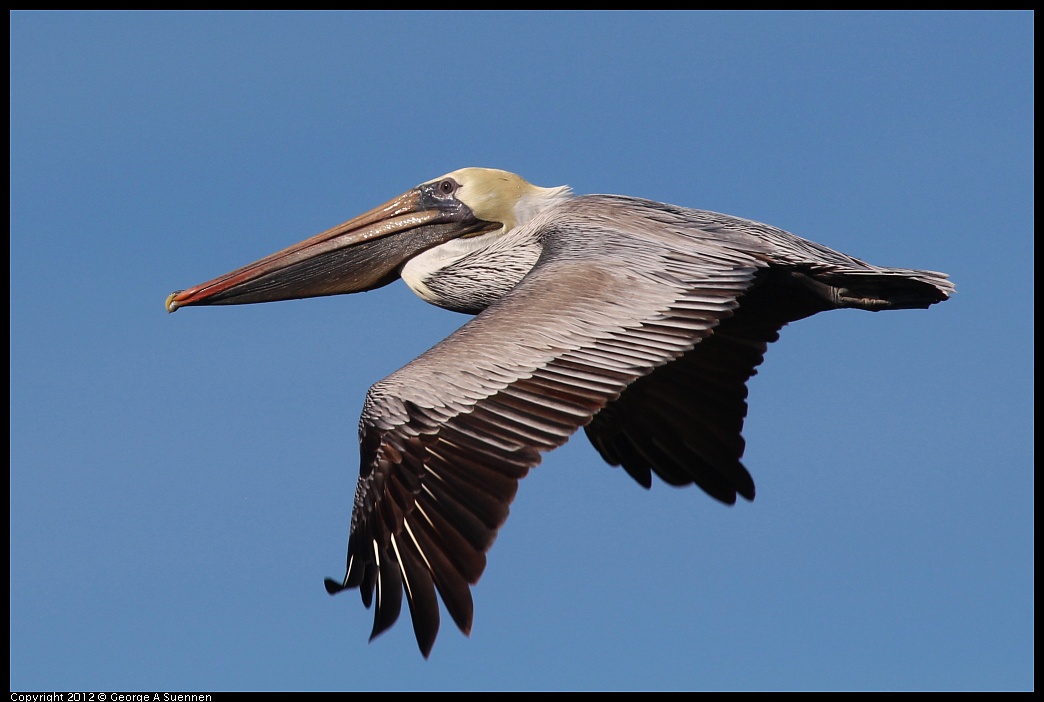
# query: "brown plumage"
{"points": [[637, 320]]}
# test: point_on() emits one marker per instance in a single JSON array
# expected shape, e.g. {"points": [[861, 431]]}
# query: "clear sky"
{"points": [[181, 485]]}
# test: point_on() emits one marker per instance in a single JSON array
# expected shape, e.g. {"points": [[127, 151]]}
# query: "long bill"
{"points": [[362, 254]]}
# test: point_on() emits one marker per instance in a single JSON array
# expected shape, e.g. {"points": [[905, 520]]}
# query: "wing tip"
{"points": [[334, 586]]}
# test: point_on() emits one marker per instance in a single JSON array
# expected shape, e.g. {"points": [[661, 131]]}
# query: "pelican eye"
{"points": [[447, 186]]}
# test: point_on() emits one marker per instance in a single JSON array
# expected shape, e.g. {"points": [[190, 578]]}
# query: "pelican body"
{"points": [[637, 320]]}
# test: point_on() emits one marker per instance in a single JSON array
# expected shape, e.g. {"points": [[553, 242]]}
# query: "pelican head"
{"points": [[459, 212]]}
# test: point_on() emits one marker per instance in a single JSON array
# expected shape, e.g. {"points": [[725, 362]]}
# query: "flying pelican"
{"points": [[636, 320]]}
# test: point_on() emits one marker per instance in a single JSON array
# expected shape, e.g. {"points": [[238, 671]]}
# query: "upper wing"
{"points": [[445, 439]]}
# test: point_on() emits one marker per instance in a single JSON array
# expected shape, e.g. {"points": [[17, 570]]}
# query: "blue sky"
{"points": [[180, 485]]}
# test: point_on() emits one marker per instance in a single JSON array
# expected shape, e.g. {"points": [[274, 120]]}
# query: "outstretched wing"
{"points": [[445, 440], [684, 421]]}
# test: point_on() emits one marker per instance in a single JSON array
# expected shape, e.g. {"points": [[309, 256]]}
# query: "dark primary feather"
{"points": [[641, 322]]}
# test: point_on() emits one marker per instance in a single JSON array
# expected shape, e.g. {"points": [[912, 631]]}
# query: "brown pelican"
{"points": [[637, 320]]}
